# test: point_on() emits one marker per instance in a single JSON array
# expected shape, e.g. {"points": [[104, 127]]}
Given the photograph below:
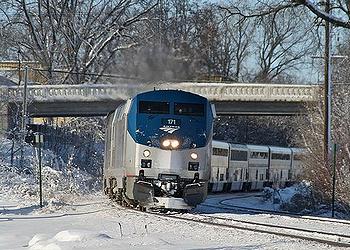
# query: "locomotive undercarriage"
{"points": [[169, 191], [165, 192]]}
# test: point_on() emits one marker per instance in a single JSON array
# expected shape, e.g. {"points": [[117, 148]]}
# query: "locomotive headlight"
{"points": [[175, 143], [170, 143], [166, 143], [146, 153], [194, 156]]}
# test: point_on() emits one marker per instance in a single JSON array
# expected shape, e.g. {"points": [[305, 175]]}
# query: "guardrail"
{"points": [[213, 91]]}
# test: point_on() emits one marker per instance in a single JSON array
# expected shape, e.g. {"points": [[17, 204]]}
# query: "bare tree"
{"points": [[207, 40], [236, 36], [340, 62], [284, 38], [3, 118], [73, 35], [284, 42], [315, 170]]}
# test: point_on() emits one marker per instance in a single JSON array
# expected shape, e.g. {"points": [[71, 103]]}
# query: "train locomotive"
{"points": [[158, 149]]}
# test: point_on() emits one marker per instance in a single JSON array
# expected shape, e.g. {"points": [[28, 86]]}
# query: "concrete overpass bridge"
{"points": [[99, 99]]}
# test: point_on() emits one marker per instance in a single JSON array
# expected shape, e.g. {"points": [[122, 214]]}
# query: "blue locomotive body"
{"points": [[158, 148]]}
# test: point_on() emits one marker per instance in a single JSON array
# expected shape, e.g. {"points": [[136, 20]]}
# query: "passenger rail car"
{"points": [[236, 167], [158, 149]]}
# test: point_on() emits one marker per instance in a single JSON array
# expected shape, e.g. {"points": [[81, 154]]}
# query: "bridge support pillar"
{"points": [[4, 119]]}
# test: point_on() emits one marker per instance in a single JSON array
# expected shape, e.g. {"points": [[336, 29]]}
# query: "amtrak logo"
{"points": [[169, 129]]}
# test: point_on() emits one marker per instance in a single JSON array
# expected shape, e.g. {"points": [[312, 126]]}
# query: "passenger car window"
{"points": [[276, 156], [237, 155], [259, 155], [220, 151]]}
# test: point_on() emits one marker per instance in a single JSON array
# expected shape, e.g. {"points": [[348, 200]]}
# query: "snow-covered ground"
{"points": [[77, 216], [93, 222]]}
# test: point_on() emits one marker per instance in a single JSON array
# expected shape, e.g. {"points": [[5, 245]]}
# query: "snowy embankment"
{"points": [[60, 180]]}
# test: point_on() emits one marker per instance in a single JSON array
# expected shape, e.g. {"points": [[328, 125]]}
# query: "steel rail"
{"points": [[257, 210], [279, 226]]}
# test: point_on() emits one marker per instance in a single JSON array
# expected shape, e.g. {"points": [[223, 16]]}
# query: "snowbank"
{"points": [[60, 180], [43, 241], [297, 198]]}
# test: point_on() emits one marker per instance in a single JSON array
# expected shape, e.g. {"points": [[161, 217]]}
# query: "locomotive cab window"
{"points": [[194, 109], [149, 107]]}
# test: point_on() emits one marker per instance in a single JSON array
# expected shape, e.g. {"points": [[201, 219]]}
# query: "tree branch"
{"points": [[324, 15], [271, 10]]}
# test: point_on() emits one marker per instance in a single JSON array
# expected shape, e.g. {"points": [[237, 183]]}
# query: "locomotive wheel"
{"points": [[124, 203], [105, 190], [142, 208], [119, 196]]}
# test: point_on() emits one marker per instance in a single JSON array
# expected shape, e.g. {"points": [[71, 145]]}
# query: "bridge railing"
{"points": [[254, 92], [213, 91]]}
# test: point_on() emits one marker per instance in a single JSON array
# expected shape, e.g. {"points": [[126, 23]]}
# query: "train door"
{"points": [[258, 165], [219, 164], [238, 164]]}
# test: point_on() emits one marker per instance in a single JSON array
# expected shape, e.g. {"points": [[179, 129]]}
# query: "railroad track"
{"points": [[228, 207], [333, 239]]}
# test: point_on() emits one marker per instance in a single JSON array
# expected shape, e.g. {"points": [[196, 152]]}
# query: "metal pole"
{"points": [[334, 176], [40, 177], [327, 89], [25, 104], [24, 112], [19, 67]]}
